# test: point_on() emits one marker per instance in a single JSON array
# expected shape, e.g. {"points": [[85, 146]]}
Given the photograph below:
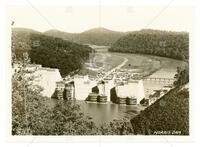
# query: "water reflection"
{"points": [[104, 113]]}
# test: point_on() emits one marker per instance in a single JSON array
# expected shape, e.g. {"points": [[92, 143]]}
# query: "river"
{"points": [[104, 113], [168, 70], [162, 67]]}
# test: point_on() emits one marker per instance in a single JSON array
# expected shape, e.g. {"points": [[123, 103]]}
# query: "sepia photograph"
{"points": [[83, 70]]}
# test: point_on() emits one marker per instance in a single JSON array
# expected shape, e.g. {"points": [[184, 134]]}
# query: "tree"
{"points": [[50, 51], [182, 76], [20, 95], [117, 127], [32, 114], [161, 43]]}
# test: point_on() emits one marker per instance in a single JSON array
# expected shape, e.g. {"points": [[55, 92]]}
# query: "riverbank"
{"points": [[151, 66]]}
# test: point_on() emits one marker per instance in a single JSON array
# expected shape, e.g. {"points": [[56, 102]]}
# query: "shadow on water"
{"points": [[105, 113]]}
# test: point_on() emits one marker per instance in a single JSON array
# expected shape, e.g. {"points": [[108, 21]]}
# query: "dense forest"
{"points": [[96, 36], [49, 51], [154, 42], [182, 76], [170, 114]]}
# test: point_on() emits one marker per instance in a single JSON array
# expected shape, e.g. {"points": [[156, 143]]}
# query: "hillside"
{"points": [[154, 42], [21, 40], [64, 35], [96, 36], [166, 116], [49, 51], [169, 115]]}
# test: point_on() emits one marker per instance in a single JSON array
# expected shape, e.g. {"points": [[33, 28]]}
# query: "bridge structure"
{"points": [[155, 79]]}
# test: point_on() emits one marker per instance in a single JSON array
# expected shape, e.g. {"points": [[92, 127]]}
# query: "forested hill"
{"points": [[166, 116], [154, 42], [49, 51], [169, 115], [96, 36]]}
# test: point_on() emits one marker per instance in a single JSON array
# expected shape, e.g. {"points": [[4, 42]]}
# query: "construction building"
{"points": [[130, 92]]}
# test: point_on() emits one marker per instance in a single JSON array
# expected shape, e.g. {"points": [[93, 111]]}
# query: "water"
{"points": [[105, 113], [150, 86], [168, 70], [102, 114]]}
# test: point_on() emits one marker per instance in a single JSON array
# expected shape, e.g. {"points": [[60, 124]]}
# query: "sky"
{"points": [[77, 19]]}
